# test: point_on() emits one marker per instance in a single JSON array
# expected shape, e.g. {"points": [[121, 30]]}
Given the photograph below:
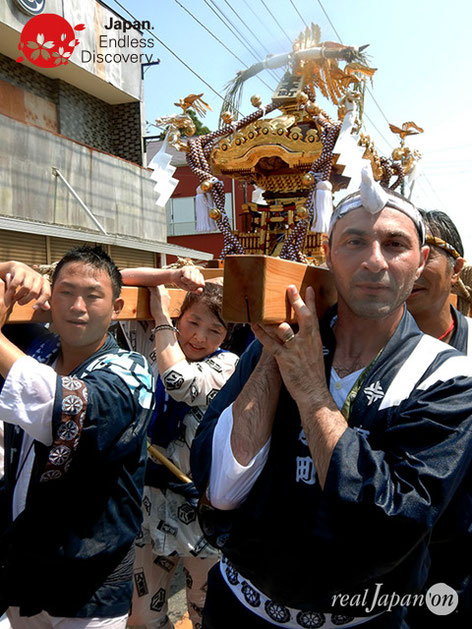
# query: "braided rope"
{"points": [[390, 170], [199, 149], [321, 171]]}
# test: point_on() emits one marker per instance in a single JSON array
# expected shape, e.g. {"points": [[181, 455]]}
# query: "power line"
{"points": [[234, 31], [171, 51], [277, 22], [378, 131], [299, 14], [239, 36], [220, 42], [451, 148], [341, 41], [258, 18], [250, 30], [272, 72], [377, 104], [423, 176], [329, 20], [232, 28]]}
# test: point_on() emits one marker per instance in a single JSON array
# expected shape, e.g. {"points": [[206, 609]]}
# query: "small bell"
{"points": [[302, 212], [215, 214], [302, 98], [206, 185], [227, 117], [256, 100], [308, 180]]}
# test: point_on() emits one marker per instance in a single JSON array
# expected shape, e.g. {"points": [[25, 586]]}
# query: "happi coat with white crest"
{"points": [[70, 550], [392, 474]]}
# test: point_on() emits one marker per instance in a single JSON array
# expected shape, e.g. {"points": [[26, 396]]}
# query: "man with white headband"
{"points": [[327, 459]]}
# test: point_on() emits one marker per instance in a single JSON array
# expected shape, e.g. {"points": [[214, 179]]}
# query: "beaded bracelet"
{"points": [[165, 326]]}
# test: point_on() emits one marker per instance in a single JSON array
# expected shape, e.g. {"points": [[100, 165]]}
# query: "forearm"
{"points": [[230, 482], [254, 410], [9, 354], [323, 425], [168, 351], [146, 276]]}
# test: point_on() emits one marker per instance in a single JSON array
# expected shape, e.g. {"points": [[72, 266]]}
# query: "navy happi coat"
{"points": [[70, 552], [451, 544], [392, 474]]}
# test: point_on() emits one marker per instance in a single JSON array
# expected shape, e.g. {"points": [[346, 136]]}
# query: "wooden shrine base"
{"points": [[255, 288]]}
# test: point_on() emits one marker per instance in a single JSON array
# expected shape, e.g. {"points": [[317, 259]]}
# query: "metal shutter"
{"points": [[124, 257], [27, 248], [60, 246]]}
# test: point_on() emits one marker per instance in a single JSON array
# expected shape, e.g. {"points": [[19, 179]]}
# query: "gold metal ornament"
{"points": [[302, 98], [302, 212], [398, 154], [227, 117], [215, 214], [190, 129], [206, 185], [407, 128], [194, 101], [308, 179], [311, 108], [256, 100]]}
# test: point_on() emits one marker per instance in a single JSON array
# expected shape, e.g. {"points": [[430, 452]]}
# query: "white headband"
{"points": [[373, 198]]}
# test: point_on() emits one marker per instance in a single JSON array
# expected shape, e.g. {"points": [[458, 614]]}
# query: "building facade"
{"points": [[72, 161]]}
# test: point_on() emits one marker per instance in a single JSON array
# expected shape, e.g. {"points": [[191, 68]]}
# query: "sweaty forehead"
{"points": [[81, 272], [387, 221]]}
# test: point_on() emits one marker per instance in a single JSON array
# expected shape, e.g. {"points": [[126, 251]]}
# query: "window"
{"points": [[181, 218]]}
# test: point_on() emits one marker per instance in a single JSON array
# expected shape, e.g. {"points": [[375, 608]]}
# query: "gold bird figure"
{"points": [[194, 101], [408, 128]]}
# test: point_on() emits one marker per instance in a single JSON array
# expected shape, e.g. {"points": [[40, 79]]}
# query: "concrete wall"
{"points": [[58, 106], [119, 193]]}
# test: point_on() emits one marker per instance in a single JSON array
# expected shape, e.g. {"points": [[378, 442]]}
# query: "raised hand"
{"points": [[299, 355], [189, 278], [23, 284]]}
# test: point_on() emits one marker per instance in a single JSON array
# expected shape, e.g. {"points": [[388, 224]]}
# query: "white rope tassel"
{"points": [[203, 204], [373, 196], [323, 206]]}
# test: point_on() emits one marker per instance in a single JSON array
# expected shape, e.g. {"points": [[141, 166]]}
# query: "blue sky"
{"points": [[421, 49]]}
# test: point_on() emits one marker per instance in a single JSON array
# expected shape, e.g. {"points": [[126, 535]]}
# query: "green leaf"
{"points": [[35, 54], [32, 44], [45, 54]]}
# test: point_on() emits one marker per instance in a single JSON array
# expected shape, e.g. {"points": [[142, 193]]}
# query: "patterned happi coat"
{"points": [[170, 520], [451, 544], [70, 552], [392, 474]]}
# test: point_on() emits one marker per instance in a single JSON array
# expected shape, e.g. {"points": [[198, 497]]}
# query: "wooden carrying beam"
{"points": [[255, 288], [136, 307], [136, 303]]}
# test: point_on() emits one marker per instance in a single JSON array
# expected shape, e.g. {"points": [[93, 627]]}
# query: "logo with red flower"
{"points": [[48, 40]]}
